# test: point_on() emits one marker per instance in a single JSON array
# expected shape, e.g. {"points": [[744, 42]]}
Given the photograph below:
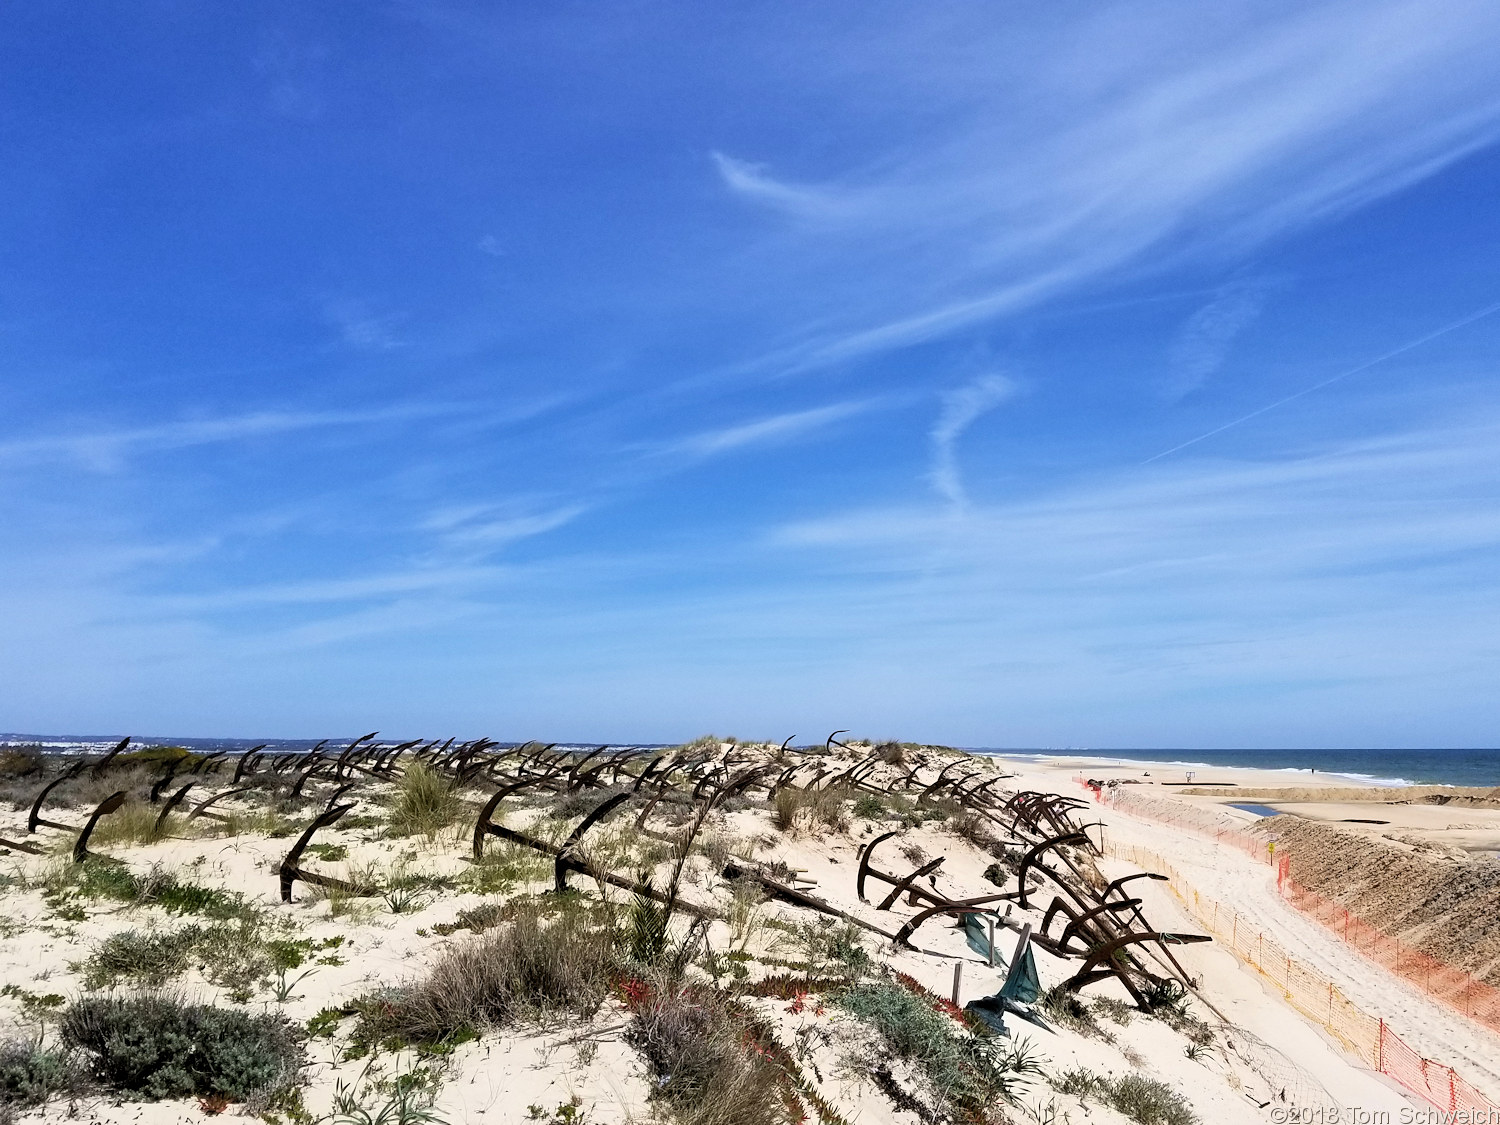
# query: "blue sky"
{"points": [[629, 371]]}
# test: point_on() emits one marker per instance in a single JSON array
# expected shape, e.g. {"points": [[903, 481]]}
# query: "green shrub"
{"points": [[502, 867], [1166, 999], [233, 954], [143, 958], [158, 1047], [1116, 1010], [31, 1073], [153, 755], [103, 878], [167, 892], [1063, 1007], [21, 761], [829, 946], [966, 1073], [1079, 1082], [477, 920]]}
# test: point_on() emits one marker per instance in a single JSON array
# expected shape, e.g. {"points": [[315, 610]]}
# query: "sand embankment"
{"points": [[1443, 906]]}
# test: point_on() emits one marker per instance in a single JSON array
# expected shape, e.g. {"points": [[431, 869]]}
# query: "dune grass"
{"points": [[703, 1051], [795, 809], [425, 803], [1145, 1101], [538, 966]]}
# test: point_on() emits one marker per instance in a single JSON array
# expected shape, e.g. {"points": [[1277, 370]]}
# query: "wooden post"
{"points": [[958, 979], [992, 941]]}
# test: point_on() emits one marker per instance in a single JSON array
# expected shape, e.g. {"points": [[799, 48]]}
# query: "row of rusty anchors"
{"points": [[570, 855], [1109, 934], [933, 903], [1041, 815], [36, 820], [1105, 928]]}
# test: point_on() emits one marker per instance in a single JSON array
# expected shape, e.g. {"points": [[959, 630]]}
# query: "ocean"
{"points": [[1385, 767]]}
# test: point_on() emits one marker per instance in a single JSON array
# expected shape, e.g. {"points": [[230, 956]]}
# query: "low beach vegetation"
{"points": [[1065, 1009], [157, 1046], [741, 999], [711, 1067], [31, 1073], [794, 809], [541, 965], [966, 1073], [425, 803], [1146, 1101], [240, 954]]}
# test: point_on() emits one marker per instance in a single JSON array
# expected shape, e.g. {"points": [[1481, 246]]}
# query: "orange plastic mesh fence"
{"points": [[1461, 991], [1314, 995]]}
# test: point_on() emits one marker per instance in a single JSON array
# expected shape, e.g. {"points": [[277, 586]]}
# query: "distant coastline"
{"points": [[1434, 766]]}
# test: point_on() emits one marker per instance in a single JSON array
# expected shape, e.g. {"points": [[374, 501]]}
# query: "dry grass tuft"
{"points": [[709, 1070], [797, 810], [133, 823], [533, 968]]}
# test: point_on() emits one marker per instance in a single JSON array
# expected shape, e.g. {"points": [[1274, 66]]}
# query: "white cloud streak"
{"points": [[753, 182], [768, 431], [1127, 140], [961, 409], [1204, 340], [1410, 345], [107, 450]]}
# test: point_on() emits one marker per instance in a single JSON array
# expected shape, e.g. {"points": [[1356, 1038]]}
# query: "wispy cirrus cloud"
{"points": [[1203, 342], [768, 430], [1249, 580], [488, 527], [109, 449], [962, 407], [754, 182], [1123, 143], [361, 327]]}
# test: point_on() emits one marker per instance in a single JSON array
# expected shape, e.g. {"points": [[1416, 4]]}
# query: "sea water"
{"points": [[1383, 767], [1435, 766]]}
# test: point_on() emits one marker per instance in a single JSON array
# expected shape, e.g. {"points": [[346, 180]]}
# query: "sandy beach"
{"points": [[807, 980]]}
